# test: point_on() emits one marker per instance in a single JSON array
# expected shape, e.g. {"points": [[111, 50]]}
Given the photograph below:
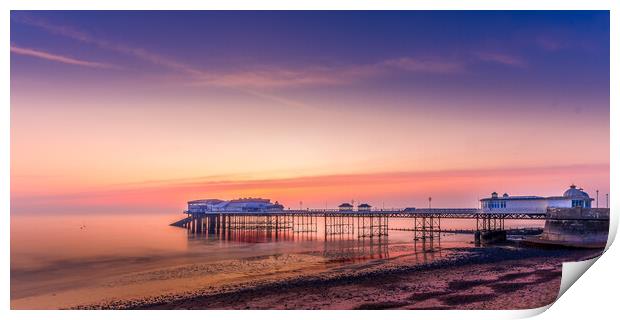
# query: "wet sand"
{"points": [[472, 278]]}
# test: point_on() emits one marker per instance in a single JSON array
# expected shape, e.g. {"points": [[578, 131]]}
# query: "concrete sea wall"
{"points": [[575, 227]]}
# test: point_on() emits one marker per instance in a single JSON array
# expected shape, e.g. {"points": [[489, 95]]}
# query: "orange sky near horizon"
{"points": [[117, 140], [456, 188]]}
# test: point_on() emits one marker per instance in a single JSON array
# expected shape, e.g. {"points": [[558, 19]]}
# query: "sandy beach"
{"points": [[477, 278]]}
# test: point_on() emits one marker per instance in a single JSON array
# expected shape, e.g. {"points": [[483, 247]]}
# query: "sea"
{"points": [[73, 260]]}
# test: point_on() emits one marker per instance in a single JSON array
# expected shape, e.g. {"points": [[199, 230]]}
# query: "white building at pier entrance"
{"points": [[237, 205], [572, 198]]}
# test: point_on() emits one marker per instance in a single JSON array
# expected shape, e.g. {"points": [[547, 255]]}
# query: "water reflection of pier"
{"points": [[280, 225], [252, 228], [352, 249], [345, 237]]}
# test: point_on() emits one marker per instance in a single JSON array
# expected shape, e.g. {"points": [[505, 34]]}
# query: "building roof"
{"points": [[345, 205], [206, 201], [575, 193], [364, 205], [556, 198], [515, 198], [244, 200]]}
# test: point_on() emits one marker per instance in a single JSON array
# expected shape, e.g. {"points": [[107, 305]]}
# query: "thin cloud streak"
{"points": [[463, 186], [260, 78], [269, 78], [392, 177], [550, 43], [501, 58], [224, 183], [425, 65], [72, 33], [58, 58]]}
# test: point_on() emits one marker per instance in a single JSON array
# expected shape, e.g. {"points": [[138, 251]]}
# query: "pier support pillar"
{"points": [[211, 221], [198, 225]]}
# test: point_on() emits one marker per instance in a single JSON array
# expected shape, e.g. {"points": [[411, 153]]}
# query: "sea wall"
{"points": [[576, 226]]}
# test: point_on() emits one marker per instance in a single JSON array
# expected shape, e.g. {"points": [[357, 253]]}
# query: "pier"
{"points": [[425, 223]]}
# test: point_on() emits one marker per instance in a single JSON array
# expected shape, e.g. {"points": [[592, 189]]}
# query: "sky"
{"points": [[140, 111]]}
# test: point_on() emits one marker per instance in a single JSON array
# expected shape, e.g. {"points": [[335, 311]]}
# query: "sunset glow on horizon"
{"points": [[142, 111]]}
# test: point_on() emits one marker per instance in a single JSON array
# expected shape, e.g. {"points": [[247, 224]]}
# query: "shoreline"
{"points": [[484, 278]]}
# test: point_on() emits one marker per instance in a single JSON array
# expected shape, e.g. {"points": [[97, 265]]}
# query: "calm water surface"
{"points": [[62, 261]]}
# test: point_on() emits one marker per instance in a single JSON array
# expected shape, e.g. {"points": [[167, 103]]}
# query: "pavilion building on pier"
{"points": [[572, 198], [237, 205]]}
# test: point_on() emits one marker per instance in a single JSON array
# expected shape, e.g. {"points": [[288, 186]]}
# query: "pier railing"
{"points": [[453, 213]]}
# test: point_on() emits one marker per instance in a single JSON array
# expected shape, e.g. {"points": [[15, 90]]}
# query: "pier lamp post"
{"points": [[597, 199], [607, 199], [429, 202]]}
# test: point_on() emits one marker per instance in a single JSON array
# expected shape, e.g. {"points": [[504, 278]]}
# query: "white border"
{"points": [[588, 299]]}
